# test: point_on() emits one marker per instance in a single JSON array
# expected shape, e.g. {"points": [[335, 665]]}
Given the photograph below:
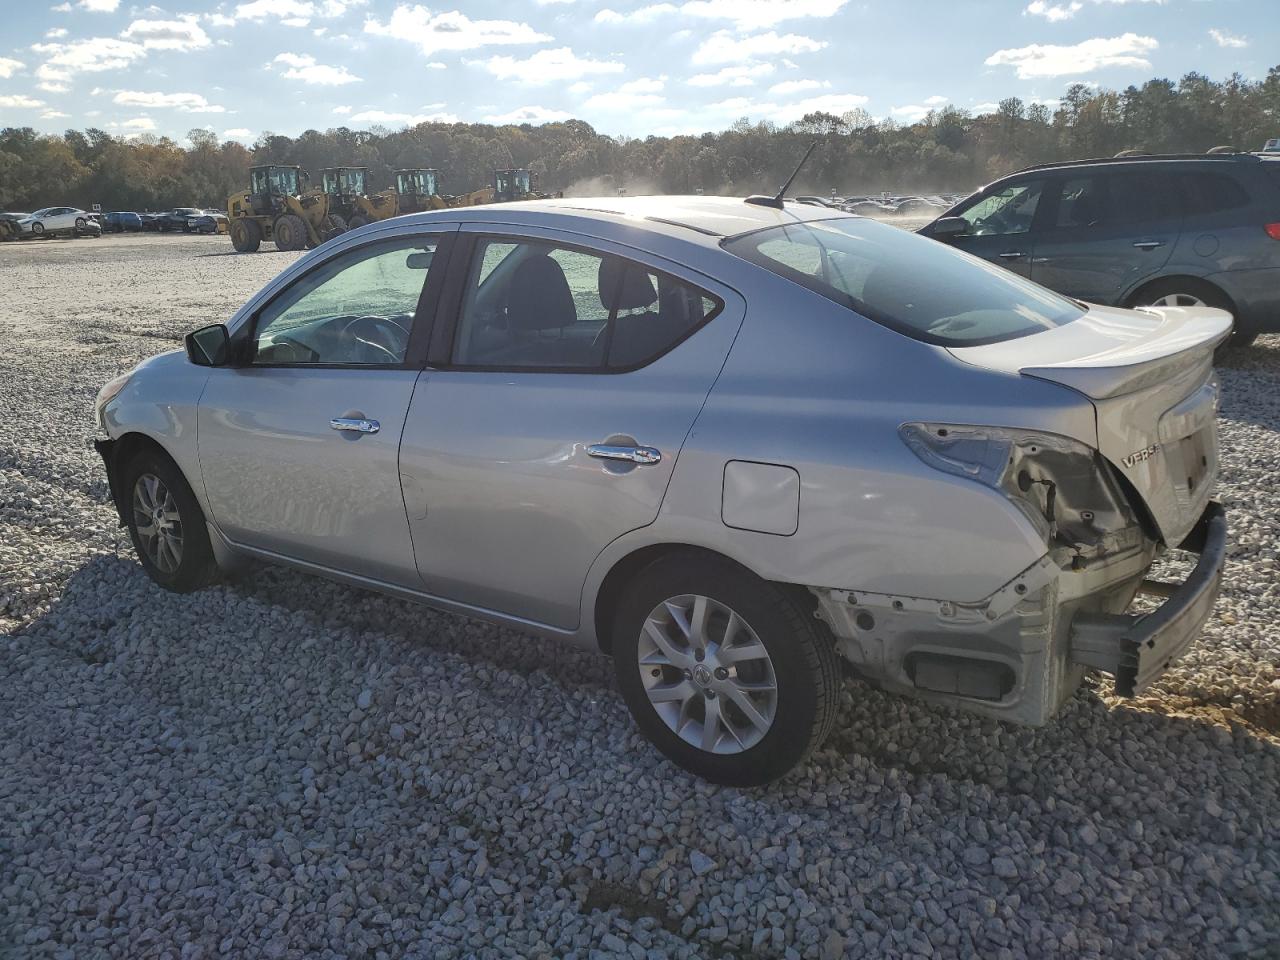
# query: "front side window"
{"points": [[358, 308], [536, 305], [1010, 210], [1082, 202], [923, 289]]}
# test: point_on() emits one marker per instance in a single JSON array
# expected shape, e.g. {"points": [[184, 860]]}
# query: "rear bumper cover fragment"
{"points": [[107, 450], [1137, 650]]}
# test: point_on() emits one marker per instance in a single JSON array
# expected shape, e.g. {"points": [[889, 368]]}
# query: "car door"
{"points": [[551, 415], [1002, 224], [298, 440], [1107, 232]]}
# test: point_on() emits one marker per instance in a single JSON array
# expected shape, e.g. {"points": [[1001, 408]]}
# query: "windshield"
{"points": [[919, 287], [421, 182], [283, 180]]}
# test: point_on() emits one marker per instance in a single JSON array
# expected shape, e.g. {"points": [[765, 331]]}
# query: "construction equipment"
{"points": [[275, 209], [416, 190], [517, 184], [344, 186]]}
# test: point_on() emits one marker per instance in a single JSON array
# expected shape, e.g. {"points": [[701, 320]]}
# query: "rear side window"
{"points": [[532, 305], [1213, 192], [921, 288], [1143, 196]]}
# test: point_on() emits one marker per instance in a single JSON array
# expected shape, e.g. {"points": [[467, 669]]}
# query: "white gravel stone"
{"points": [[281, 766]]}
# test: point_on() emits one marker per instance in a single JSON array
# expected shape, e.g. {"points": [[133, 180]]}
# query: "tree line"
{"points": [[950, 149]]}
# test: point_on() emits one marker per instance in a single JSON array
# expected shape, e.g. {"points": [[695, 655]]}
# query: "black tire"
{"points": [[37, 229], [1193, 289], [246, 235], [81, 224], [802, 655], [290, 232], [196, 566], [334, 226], [356, 222]]}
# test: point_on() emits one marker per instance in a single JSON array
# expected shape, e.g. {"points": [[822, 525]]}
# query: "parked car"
{"points": [[51, 221], [120, 221], [10, 225], [727, 443], [1135, 231], [176, 219], [150, 222], [209, 221]]}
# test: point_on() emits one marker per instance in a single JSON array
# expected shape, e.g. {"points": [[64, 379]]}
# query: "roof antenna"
{"points": [[764, 201]]}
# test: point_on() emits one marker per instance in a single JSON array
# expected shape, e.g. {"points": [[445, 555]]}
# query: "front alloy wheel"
{"points": [[158, 522]]}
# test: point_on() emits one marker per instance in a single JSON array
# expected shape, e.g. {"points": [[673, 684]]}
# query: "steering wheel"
{"points": [[381, 338]]}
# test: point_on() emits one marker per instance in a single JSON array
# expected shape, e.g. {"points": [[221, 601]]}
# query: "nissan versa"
{"points": [[729, 443]]}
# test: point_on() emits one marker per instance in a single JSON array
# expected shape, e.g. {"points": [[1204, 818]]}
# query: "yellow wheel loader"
{"points": [[275, 209], [415, 191]]}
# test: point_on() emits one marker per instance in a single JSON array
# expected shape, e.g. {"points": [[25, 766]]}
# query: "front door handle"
{"points": [[1012, 255], [355, 424], [1149, 244], [609, 451]]}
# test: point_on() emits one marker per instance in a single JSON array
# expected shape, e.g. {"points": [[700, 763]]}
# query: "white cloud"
{"points": [[434, 32], [139, 123], [981, 108], [54, 115], [61, 8], [723, 47], [304, 67], [640, 94], [548, 66], [1051, 60], [759, 14], [639, 15], [836, 103], [9, 67], [797, 86], [915, 112], [293, 13], [65, 60], [57, 33], [342, 111], [219, 20], [533, 115], [100, 6], [19, 102], [742, 76], [745, 14], [236, 133], [186, 102], [435, 65], [1224, 39], [183, 34], [402, 119], [1053, 12]]}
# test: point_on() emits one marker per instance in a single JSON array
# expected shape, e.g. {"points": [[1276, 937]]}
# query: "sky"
{"points": [[627, 67]]}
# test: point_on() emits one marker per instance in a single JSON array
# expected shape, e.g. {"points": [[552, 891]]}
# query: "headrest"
{"points": [[539, 297], [624, 286]]}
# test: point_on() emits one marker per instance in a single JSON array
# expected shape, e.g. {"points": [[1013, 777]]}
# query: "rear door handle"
{"points": [[356, 425], [1012, 255], [609, 451], [1149, 244]]}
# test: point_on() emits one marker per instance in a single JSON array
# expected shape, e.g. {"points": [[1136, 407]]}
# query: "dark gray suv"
{"points": [[1136, 231]]}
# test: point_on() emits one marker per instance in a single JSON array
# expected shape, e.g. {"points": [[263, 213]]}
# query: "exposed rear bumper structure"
{"points": [[1138, 649]]}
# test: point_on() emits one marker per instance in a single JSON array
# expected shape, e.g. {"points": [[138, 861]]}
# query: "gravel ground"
{"points": [[283, 767]]}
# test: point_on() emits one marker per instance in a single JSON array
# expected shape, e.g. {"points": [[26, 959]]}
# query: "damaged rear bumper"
{"points": [[1138, 649], [107, 450]]}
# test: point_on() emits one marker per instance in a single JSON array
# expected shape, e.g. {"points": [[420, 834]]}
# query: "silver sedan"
{"points": [[734, 445]]}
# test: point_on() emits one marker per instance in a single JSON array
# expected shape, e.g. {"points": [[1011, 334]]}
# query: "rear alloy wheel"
{"points": [[166, 524], [246, 235], [290, 232], [722, 671], [1189, 292], [38, 228]]}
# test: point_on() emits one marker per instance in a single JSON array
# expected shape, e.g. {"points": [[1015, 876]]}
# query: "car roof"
{"points": [[687, 217]]}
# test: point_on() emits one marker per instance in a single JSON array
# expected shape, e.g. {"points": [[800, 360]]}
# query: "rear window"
{"points": [[1213, 192], [916, 286]]}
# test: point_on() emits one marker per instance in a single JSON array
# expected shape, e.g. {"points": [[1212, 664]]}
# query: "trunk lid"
{"points": [[1149, 374]]}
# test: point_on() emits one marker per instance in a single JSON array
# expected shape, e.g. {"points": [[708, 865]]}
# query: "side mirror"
{"points": [[948, 228], [209, 346]]}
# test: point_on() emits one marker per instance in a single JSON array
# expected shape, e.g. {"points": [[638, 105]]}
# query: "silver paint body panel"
{"points": [[477, 494]]}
